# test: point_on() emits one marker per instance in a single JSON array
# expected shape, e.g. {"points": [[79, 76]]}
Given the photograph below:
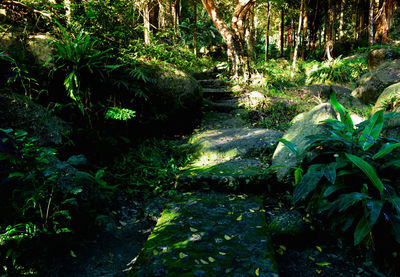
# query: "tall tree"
{"points": [[282, 29], [234, 35], [371, 22], [297, 43], [341, 18], [146, 22], [267, 31], [175, 18], [384, 19], [195, 27]]}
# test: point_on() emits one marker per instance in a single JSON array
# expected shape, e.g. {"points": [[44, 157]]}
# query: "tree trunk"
{"points": [[67, 5], [282, 30], [234, 36], [195, 27], [329, 40], [174, 11], [341, 18], [296, 47], [267, 32], [384, 20], [250, 38], [305, 27], [146, 23], [161, 15], [371, 23]]}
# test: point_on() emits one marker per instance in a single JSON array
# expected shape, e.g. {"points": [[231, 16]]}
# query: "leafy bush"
{"points": [[40, 195], [153, 166], [350, 179], [338, 70]]}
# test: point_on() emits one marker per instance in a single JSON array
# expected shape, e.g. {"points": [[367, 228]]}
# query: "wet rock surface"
{"points": [[204, 234]]}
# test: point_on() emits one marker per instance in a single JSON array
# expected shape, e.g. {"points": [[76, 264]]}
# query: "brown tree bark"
{"points": [[384, 19], [234, 35]]}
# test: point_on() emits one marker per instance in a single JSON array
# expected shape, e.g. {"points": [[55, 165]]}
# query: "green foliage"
{"points": [[338, 70], [77, 57], [153, 166], [350, 180], [181, 57], [39, 193], [274, 114], [119, 114]]}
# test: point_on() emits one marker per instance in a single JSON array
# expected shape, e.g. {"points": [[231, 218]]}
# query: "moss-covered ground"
{"points": [[213, 234]]}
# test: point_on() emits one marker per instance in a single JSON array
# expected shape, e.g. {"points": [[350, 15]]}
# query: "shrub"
{"points": [[350, 179]]}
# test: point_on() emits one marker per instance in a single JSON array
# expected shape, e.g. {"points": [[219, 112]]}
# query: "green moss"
{"points": [[208, 233]]}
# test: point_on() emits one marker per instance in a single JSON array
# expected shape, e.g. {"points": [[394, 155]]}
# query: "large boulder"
{"points": [[39, 46], [19, 112], [378, 56], [304, 124], [374, 82], [389, 102], [176, 97]]}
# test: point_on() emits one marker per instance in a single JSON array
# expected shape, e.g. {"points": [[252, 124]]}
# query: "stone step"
{"points": [[212, 83], [226, 106], [216, 93], [202, 234]]}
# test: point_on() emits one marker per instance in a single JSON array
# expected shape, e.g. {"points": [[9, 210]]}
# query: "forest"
{"points": [[199, 138]]}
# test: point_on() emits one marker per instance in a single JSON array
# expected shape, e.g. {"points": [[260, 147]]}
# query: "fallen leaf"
{"points": [[318, 248], [323, 263], [319, 271], [222, 253], [257, 271], [227, 237], [114, 212], [239, 218], [182, 255], [193, 229], [282, 247], [251, 210], [211, 259], [203, 261], [155, 252], [73, 254]]}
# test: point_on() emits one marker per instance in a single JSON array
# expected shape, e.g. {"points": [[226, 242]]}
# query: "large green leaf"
{"points": [[386, 149], [307, 184], [374, 210], [347, 200], [330, 172], [372, 131], [362, 230], [290, 145], [344, 114], [368, 170]]}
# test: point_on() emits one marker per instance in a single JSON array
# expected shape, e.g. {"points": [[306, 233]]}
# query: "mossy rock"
{"points": [[288, 223], [303, 125], [208, 235], [373, 83], [388, 101]]}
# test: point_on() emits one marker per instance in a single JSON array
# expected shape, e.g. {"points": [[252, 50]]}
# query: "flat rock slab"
{"points": [[203, 234], [224, 145]]}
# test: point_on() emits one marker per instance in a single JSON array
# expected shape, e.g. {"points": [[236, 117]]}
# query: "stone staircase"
{"points": [[212, 228]]}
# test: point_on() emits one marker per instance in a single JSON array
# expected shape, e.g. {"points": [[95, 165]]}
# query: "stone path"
{"points": [[213, 232]]}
